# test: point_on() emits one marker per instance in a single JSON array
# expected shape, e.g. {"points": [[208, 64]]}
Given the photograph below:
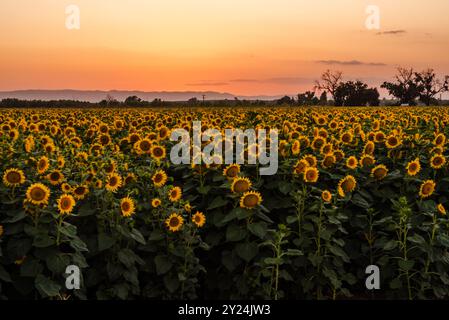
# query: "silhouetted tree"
{"points": [[405, 88], [307, 99], [429, 86], [285, 100], [356, 94], [329, 82]]}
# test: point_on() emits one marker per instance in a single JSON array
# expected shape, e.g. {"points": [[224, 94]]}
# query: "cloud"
{"points": [[391, 32], [207, 84], [350, 63]]}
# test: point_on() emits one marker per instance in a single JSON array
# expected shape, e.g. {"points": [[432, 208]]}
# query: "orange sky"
{"points": [[246, 47]]}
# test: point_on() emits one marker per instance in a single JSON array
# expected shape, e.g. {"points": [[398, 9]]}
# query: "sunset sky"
{"points": [[245, 47]]}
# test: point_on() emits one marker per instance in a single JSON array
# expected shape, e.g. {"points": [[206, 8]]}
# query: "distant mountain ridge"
{"points": [[121, 95]]}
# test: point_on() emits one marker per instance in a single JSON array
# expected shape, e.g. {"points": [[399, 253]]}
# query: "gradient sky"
{"points": [[246, 47]]}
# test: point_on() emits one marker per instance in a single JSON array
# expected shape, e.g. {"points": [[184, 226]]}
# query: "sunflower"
{"points": [[159, 178], [326, 196], [379, 172], [250, 200], [311, 159], [80, 192], [114, 182], [437, 161], [13, 177], [42, 165], [346, 185], [143, 146], [38, 194], [174, 194], [413, 167], [231, 171], [427, 188], [439, 140], [392, 142], [441, 209], [127, 207], [55, 177], [367, 160], [311, 175], [156, 202], [157, 152], [240, 185], [65, 187], [188, 207], [61, 161], [66, 203], [296, 147], [174, 222], [352, 162], [329, 160], [300, 166], [369, 148], [199, 219]]}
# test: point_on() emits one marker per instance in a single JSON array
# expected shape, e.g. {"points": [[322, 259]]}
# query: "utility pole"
{"points": [[204, 97]]}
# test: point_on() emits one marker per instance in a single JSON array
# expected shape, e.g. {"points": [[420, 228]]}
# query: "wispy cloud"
{"points": [[391, 32], [351, 63], [207, 84]]}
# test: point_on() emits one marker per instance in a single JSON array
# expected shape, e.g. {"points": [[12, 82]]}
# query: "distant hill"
{"points": [[97, 95]]}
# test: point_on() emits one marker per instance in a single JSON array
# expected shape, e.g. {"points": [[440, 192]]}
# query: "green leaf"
{"points": [[136, 235], [43, 241], [78, 245], [4, 275], [416, 238], [171, 283], [57, 263], [390, 245], [235, 233], [105, 242], [247, 251], [17, 217], [31, 268], [359, 201], [338, 252], [163, 264], [406, 265], [285, 187], [258, 229], [46, 286], [217, 203]]}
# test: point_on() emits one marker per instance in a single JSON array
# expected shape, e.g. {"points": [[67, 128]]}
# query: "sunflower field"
{"points": [[96, 189]]}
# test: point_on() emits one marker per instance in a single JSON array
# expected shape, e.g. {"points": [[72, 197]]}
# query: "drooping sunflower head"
{"points": [[311, 175], [311, 159], [199, 219], [300, 166], [174, 222], [326, 196], [174, 194], [439, 140], [427, 188], [441, 209], [250, 200], [367, 160], [66, 203], [329, 160], [437, 161], [240, 185], [413, 167], [38, 194], [231, 171], [127, 207], [352, 162], [159, 178], [296, 147], [13, 177], [42, 164], [346, 185], [369, 148], [379, 172]]}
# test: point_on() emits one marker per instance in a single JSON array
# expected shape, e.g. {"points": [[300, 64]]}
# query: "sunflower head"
{"points": [[66, 202], [326, 196], [311, 175], [346, 185], [157, 152], [352, 162], [413, 167], [231, 171], [437, 161], [240, 185], [114, 182], [441, 209], [250, 200], [55, 177], [174, 194], [156, 202], [127, 207], [159, 178], [174, 222], [427, 188], [199, 219], [42, 165], [38, 194], [13, 177], [379, 172]]}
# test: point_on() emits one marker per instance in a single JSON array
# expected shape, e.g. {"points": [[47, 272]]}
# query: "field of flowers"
{"points": [[95, 188]]}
